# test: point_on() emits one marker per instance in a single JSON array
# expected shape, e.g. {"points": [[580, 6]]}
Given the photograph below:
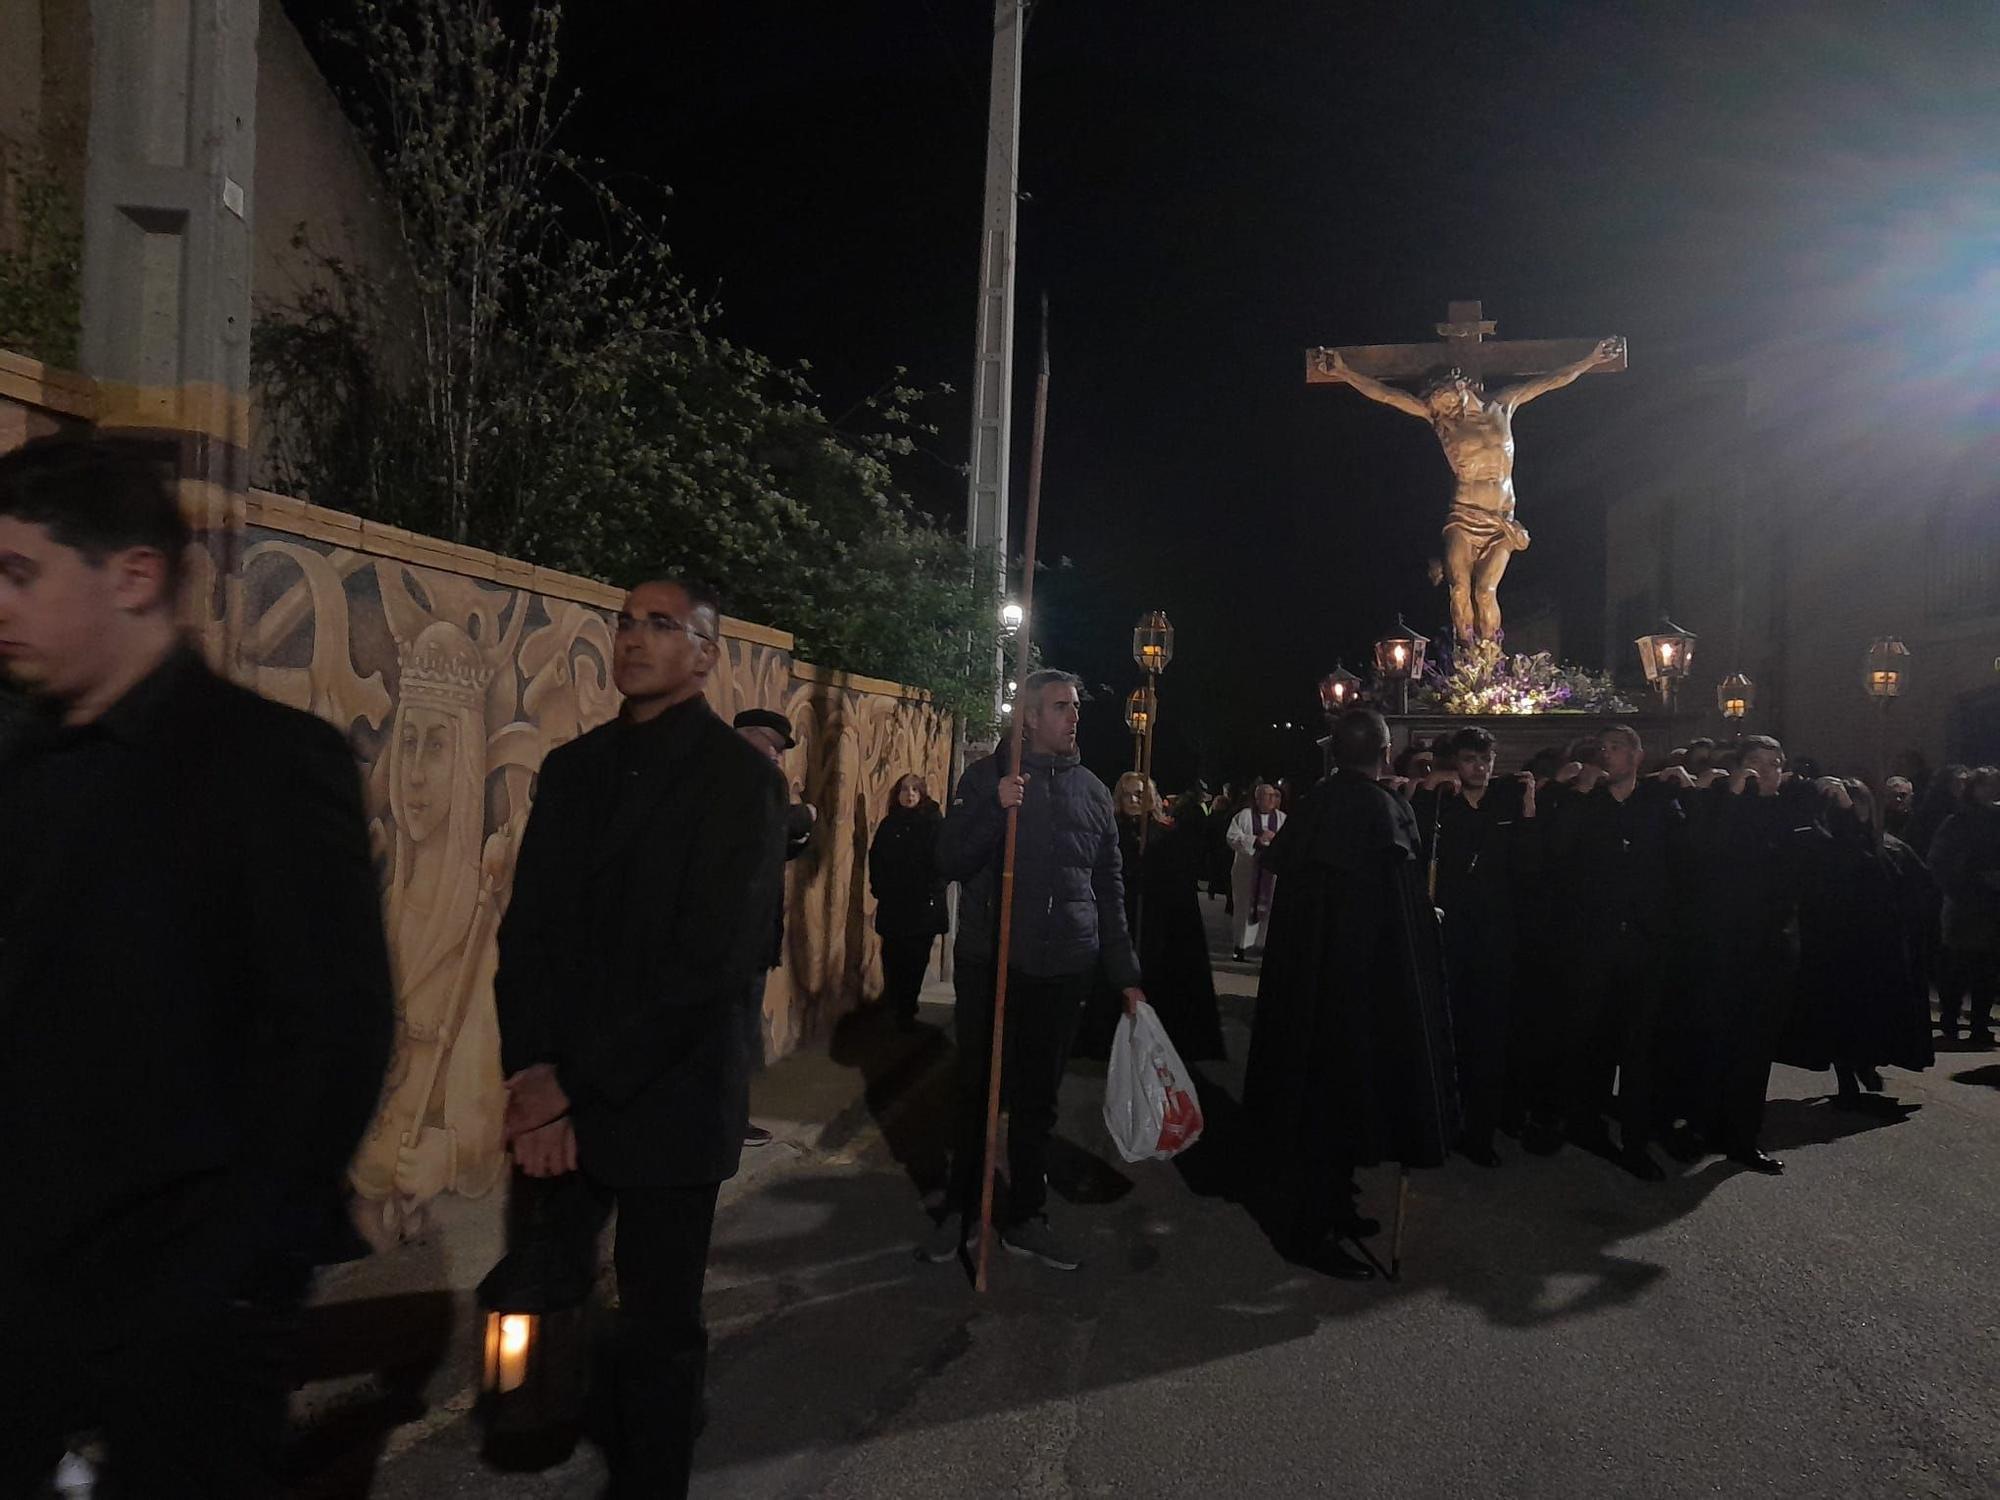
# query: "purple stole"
{"points": [[1266, 881]]}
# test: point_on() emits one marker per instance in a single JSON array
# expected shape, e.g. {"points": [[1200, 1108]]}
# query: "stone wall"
{"points": [[452, 672]]}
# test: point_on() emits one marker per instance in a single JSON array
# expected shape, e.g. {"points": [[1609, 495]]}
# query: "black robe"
{"points": [[1863, 998], [1171, 942], [1351, 1057]]}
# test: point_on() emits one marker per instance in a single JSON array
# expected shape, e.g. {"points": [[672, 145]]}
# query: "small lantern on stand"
{"points": [[1153, 650], [1399, 661], [1139, 719], [1667, 655], [1885, 673], [1338, 690], [1736, 696]]}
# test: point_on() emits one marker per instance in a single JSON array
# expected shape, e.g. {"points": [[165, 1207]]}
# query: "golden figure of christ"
{"points": [[1476, 431]]}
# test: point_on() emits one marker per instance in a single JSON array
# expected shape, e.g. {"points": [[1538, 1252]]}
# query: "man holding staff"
{"points": [[1068, 917]]}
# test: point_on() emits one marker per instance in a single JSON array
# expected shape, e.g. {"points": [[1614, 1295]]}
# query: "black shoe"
{"points": [[1479, 1153], [1540, 1138], [1757, 1161], [1639, 1162], [1329, 1259], [1979, 1040], [1849, 1099], [1684, 1146], [1239, 955], [1871, 1079]]}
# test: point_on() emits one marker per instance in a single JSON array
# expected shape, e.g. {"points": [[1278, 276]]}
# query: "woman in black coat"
{"points": [[1866, 901], [909, 893]]}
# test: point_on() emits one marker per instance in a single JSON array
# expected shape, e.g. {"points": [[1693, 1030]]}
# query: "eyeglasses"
{"points": [[659, 626]]}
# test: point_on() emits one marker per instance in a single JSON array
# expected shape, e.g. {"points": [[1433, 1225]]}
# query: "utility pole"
{"points": [[993, 365]]}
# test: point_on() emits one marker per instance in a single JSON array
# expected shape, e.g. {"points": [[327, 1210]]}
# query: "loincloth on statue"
{"points": [[1486, 529]]}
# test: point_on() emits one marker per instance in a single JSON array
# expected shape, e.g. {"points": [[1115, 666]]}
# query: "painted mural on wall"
{"points": [[452, 689]]}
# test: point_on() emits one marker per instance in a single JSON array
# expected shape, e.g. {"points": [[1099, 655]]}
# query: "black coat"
{"points": [[1173, 943], [640, 921], [1863, 997], [1069, 890], [194, 991], [1965, 858], [903, 873], [1351, 1057]]}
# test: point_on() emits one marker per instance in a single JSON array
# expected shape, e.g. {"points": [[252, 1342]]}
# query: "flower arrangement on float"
{"points": [[1484, 679]]}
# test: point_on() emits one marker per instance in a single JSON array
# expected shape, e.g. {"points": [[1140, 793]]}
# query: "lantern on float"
{"points": [[1667, 656], [1338, 690], [1399, 661], [1736, 696]]}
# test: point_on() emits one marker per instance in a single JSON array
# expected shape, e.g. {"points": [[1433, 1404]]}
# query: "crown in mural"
{"points": [[445, 673]]}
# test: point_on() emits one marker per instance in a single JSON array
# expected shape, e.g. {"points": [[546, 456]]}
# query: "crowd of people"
{"points": [[199, 994]]}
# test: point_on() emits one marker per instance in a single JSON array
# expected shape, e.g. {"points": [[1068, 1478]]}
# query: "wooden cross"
{"points": [[1461, 343]]}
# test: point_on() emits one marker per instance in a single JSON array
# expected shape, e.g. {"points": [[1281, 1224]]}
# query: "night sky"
{"points": [[1214, 187]]}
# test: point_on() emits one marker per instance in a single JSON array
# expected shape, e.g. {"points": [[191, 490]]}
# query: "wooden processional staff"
{"points": [[1022, 656]]}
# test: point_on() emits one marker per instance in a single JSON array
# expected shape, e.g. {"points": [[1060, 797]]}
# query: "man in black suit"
{"points": [[194, 996], [641, 918]]}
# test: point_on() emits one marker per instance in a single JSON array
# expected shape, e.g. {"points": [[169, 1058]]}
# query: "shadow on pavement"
{"points": [[1791, 1123], [1988, 1075], [397, 1343]]}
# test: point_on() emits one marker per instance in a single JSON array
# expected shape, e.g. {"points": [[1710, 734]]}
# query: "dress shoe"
{"points": [[1684, 1146], [1639, 1162], [1479, 1153], [1329, 1259], [1758, 1161], [1980, 1040]]}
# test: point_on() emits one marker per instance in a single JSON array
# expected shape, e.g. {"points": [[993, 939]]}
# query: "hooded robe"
{"points": [[1351, 1057]]}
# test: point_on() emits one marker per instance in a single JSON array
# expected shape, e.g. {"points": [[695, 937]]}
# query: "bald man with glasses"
{"points": [[641, 918]]}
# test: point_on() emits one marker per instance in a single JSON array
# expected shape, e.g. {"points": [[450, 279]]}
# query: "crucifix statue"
{"points": [[1476, 431]]}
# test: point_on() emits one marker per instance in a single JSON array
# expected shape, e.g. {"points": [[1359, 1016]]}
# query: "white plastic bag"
{"points": [[1150, 1106]]}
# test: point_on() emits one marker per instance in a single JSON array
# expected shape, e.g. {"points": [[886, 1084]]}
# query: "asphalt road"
{"points": [[1561, 1329]]}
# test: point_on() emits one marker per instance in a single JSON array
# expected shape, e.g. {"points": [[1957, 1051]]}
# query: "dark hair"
{"points": [[1700, 742], [1406, 757], [1546, 761], [1472, 738], [1623, 731], [1359, 737], [1751, 742], [99, 494], [700, 595]]}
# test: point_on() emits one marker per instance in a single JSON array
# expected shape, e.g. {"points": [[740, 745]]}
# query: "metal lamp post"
{"points": [[1399, 660], [1667, 655], [1885, 672], [1153, 651]]}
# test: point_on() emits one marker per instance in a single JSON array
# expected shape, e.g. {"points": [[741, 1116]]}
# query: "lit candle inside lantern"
{"points": [[516, 1334]]}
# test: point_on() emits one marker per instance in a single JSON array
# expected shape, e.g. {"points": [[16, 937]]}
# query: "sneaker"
{"points": [[952, 1238], [1033, 1238]]}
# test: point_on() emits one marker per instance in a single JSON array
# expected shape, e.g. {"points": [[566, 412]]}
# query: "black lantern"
{"points": [[1736, 696], [537, 1307], [1887, 668], [1338, 690], [1153, 643], [1399, 661], [1667, 655]]}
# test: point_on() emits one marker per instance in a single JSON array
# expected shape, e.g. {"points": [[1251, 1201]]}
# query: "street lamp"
{"points": [[1399, 658], [1338, 690], [1011, 617], [1667, 655], [1153, 651], [1736, 696], [1885, 672]]}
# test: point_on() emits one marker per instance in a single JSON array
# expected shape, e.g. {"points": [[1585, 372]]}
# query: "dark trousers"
{"points": [[1970, 977], [1613, 1011], [661, 1355], [904, 960], [1481, 987], [1042, 1017], [1745, 1006], [188, 1391]]}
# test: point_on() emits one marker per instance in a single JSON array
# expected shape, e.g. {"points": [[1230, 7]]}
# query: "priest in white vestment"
{"points": [[1250, 833]]}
